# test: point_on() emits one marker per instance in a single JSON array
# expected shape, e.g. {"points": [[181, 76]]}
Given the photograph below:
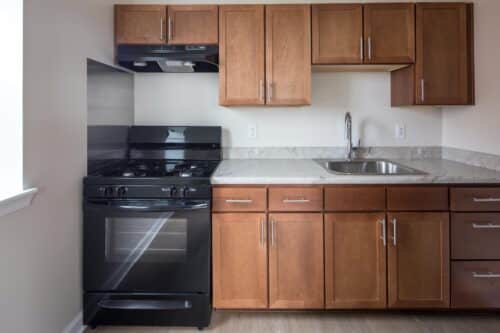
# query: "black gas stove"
{"points": [[147, 227]]}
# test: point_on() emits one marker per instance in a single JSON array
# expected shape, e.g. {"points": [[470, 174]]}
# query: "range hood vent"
{"points": [[169, 58]]}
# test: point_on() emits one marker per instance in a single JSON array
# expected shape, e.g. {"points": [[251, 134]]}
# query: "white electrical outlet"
{"points": [[252, 131], [400, 132]]}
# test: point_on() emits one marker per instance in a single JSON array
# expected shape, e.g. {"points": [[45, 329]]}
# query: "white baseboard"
{"points": [[76, 325]]}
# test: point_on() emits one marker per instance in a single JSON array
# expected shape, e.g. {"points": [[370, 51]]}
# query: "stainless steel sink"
{"points": [[368, 167]]}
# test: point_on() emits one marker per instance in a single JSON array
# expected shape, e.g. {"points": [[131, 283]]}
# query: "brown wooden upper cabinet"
{"points": [[265, 55], [444, 70], [389, 30], [140, 24], [156, 24], [356, 34], [288, 54], [337, 34], [241, 55], [197, 24]]}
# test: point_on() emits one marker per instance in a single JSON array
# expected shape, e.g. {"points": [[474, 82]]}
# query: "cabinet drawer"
{"points": [[417, 198], [475, 284], [354, 198], [239, 199], [475, 236], [486, 199], [306, 199]]}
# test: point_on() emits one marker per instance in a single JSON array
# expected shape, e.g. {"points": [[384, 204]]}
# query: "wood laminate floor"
{"points": [[246, 322]]}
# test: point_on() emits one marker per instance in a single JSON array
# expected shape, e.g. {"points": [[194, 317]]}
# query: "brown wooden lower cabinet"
{"points": [[296, 266], [350, 254], [418, 260], [476, 284], [355, 261], [239, 251]]}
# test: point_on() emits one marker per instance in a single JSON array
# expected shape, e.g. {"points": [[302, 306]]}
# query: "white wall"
{"points": [[478, 128], [193, 99], [40, 275]]}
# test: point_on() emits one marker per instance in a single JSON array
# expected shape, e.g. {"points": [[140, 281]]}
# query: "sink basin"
{"points": [[369, 167]]}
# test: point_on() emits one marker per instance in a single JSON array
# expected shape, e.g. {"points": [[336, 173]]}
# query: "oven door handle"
{"points": [[135, 207], [145, 305]]}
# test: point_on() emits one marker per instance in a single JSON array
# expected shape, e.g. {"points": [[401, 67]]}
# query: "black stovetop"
{"points": [[158, 168]]}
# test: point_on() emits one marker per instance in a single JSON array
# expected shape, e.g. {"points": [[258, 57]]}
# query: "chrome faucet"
{"points": [[348, 135]]}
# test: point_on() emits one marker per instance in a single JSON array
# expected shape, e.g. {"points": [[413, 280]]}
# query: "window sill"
{"points": [[16, 202]]}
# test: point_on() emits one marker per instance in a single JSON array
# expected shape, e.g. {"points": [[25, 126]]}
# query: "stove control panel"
{"points": [[145, 191]]}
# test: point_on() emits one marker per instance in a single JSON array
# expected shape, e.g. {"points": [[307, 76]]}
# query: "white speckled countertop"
{"points": [[307, 171]]}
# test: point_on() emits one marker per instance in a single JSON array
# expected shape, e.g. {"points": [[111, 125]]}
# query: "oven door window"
{"points": [[156, 240]]}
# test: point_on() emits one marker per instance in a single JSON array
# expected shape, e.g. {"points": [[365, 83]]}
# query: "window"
{"points": [[11, 110]]}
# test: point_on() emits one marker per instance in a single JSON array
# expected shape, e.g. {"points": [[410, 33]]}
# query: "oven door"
{"points": [[147, 246]]}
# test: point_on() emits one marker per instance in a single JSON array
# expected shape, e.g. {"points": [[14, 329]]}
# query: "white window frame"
{"points": [[13, 195]]}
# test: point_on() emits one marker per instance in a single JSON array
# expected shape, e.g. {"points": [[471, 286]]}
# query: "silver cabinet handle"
{"points": [[369, 48], [361, 48], [489, 275], [273, 236], [270, 91], [384, 232], [262, 233], [170, 28], [394, 232], [485, 226], [302, 200], [162, 29], [422, 90], [239, 201], [261, 90], [486, 199]]}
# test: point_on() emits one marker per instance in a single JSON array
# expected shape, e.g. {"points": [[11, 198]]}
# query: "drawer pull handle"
{"points": [[301, 200], [490, 275], [485, 226], [239, 201], [486, 199]]}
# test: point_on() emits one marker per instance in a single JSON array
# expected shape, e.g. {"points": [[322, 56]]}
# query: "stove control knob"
{"points": [[109, 191], [173, 191], [184, 192], [122, 190], [169, 191]]}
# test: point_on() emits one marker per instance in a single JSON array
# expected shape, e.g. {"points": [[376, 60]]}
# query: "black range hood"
{"points": [[169, 58]]}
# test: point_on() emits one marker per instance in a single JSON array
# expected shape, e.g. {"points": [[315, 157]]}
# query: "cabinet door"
{"points": [[337, 34], [355, 261], [444, 54], [196, 24], [296, 266], [288, 54], [241, 55], [419, 260], [389, 33], [140, 24], [239, 258]]}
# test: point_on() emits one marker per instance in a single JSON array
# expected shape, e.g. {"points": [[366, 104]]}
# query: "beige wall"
{"points": [[40, 275], [478, 128]]}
